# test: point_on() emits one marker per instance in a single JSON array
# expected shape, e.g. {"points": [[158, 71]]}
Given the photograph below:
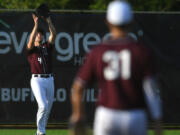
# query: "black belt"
{"points": [[43, 75]]}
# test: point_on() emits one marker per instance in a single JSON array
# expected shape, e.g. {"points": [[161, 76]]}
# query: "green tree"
{"points": [[138, 5], [154, 5], [99, 4]]}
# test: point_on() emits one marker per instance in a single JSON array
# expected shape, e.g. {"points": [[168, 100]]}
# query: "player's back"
{"points": [[120, 66]]}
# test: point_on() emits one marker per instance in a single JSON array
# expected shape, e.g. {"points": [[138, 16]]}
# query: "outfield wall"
{"points": [[76, 34]]}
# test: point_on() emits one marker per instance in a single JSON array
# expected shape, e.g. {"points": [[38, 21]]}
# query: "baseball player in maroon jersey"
{"points": [[42, 82], [123, 69]]}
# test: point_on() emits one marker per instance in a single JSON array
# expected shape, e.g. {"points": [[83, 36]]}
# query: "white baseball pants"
{"points": [[43, 90], [120, 122]]}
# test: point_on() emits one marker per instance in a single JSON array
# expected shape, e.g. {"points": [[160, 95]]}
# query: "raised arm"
{"points": [[33, 33], [52, 31]]}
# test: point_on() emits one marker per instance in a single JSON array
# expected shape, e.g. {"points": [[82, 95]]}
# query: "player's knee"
{"points": [[43, 108]]}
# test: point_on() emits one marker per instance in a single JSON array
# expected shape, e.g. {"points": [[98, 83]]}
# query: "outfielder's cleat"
{"points": [[39, 134]]}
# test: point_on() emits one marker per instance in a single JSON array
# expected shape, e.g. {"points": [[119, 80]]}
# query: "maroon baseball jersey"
{"points": [[119, 66], [39, 58]]}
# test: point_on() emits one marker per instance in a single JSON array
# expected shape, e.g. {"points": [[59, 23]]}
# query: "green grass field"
{"points": [[62, 132]]}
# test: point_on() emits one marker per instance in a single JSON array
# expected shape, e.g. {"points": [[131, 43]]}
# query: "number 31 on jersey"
{"points": [[118, 64]]}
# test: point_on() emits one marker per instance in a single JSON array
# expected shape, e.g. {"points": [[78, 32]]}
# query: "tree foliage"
{"points": [[138, 5]]}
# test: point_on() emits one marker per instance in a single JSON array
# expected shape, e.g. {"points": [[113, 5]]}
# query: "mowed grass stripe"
{"points": [[63, 132]]}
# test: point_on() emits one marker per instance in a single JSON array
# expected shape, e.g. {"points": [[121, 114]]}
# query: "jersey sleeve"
{"points": [[86, 72], [152, 98]]}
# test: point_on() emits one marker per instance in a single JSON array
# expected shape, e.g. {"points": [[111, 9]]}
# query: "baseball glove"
{"points": [[42, 11]]}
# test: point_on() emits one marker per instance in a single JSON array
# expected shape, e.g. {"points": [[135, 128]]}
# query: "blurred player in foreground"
{"points": [[123, 70], [42, 82]]}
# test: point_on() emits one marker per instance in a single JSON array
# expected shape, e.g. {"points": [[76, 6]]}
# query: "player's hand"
{"points": [[77, 125], [76, 117], [48, 19], [35, 18]]}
